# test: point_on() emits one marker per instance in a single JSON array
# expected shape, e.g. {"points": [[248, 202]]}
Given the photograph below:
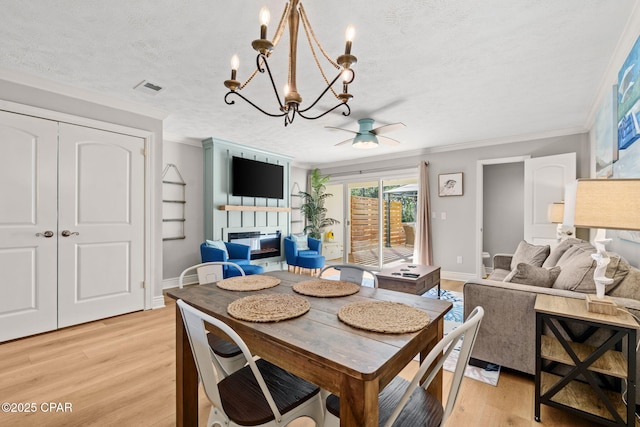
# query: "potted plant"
{"points": [[313, 206]]}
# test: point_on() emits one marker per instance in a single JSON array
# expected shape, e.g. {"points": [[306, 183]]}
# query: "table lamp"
{"points": [[556, 216], [602, 204]]}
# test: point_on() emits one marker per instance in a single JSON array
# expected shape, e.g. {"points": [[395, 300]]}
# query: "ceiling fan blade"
{"points": [[387, 140], [387, 128], [346, 130], [344, 142]]}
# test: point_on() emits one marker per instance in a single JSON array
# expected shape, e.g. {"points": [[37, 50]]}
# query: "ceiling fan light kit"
{"points": [[292, 15], [367, 137]]}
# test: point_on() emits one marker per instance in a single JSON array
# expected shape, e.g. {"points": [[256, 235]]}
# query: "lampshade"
{"points": [[556, 212], [603, 203]]}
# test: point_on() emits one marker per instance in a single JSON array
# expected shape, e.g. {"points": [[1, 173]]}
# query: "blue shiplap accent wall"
{"points": [[217, 190]]}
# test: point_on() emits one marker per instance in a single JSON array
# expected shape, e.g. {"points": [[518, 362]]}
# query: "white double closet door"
{"points": [[71, 224]]}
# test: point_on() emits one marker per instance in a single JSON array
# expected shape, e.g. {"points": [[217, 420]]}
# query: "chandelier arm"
{"points": [[326, 90], [231, 102], [273, 84], [328, 111]]}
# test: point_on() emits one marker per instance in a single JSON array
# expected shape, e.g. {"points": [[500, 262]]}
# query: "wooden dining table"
{"points": [[353, 363]]}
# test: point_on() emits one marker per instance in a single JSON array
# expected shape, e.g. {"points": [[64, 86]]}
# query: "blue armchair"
{"points": [[310, 258], [237, 253]]}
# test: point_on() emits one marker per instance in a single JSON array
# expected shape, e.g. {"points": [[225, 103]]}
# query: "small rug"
{"points": [[452, 320]]}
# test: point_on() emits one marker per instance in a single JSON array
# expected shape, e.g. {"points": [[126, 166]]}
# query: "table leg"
{"points": [[435, 388], [186, 378], [358, 403]]}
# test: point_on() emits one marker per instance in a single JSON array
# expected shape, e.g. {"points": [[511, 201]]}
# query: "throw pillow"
{"points": [[526, 274], [558, 251], [301, 241], [618, 269], [218, 244], [530, 254], [577, 270]]}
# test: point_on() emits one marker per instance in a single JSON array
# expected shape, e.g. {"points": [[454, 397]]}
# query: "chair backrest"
{"points": [[211, 275], [212, 254], [351, 273], [208, 366], [290, 250], [468, 332]]}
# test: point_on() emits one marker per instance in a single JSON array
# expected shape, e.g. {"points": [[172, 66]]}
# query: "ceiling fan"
{"points": [[368, 137]]}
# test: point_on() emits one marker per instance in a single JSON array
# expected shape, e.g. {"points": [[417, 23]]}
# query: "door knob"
{"points": [[67, 233], [46, 234]]}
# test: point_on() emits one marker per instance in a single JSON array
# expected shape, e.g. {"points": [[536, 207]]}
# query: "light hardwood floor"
{"points": [[121, 371]]}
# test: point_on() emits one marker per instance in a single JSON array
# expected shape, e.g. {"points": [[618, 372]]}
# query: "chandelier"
{"points": [[292, 15]]}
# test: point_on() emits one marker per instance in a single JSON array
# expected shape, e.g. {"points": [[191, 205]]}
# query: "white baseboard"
{"points": [[158, 302], [173, 282], [453, 275]]}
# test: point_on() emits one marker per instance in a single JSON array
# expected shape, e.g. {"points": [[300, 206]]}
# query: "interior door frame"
{"points": [[151, 233], [480, 164]]}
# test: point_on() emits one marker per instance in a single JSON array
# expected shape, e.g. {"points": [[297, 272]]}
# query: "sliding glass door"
{"points": [[377, 222]]}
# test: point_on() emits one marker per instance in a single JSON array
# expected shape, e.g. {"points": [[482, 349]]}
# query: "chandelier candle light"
{"points": [[292, 15]]}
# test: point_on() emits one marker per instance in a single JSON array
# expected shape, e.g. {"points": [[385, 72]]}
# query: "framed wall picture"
{"points": [[450, 184]]}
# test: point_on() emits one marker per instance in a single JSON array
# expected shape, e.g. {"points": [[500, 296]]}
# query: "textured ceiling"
{"points": [[452, 71]]}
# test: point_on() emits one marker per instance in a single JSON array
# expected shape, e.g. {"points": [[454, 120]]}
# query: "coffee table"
{"points": [[410, 278]]}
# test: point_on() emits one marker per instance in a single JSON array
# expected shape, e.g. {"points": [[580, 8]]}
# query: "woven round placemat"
{"points": [[268, 308], [383, 316], [254, 282], [326, 288]]}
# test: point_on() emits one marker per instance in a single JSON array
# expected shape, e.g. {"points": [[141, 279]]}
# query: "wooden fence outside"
{"points": [[365, 222]]}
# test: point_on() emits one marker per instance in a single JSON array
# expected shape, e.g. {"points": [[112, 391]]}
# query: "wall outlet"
{"points": [[459, 259], [443, 215]]}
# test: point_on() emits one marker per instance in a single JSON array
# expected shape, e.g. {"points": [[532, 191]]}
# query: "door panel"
{"points": [[544, 180], [28, 268], [101, 269]]}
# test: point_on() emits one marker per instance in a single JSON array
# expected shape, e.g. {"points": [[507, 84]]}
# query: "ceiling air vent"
{"points": [[148, 88]]}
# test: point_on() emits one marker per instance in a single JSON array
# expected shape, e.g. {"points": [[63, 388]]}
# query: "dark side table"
{"points": [[590, 382], [411, 278]]}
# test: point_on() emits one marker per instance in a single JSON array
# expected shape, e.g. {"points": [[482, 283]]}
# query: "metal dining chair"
{"points": [[228, 354], [351, 273], [245, 397], [404, 403]]}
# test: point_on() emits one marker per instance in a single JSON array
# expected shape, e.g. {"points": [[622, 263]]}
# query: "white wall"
{"points": [[180, 254], [456, 235]]}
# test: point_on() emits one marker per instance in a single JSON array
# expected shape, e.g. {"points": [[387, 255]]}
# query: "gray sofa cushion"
{"points": [[558, 251], [530, 254], [577, 269], [498, 274], [526, 274], [618, 269]]}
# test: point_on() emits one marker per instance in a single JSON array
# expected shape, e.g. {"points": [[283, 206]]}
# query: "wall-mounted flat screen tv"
{"points": [[252, 178]]}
